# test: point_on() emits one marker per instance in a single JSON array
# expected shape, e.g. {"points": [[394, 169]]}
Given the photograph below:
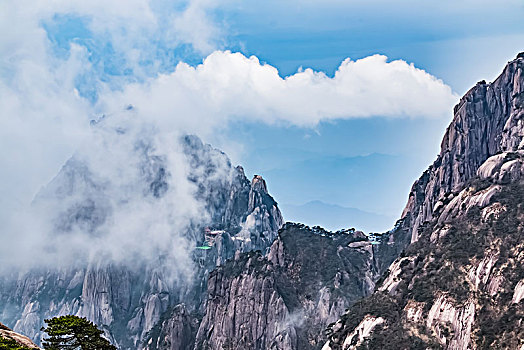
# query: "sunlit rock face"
{"points": [[121, 223], [458, 285], [487, 121]]}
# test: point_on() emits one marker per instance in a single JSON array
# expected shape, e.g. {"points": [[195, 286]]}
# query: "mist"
{"points": [[124, 196]]}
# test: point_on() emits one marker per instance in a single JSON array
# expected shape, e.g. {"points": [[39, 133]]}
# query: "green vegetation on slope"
{"points": [[10, 344], [441, 266]]}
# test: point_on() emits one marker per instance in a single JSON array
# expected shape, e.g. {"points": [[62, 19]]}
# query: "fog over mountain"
{"points": [[98, 204], [55, 79], [129, 228]]}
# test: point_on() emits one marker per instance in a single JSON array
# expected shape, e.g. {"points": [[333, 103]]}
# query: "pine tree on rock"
{"points": [[74, 333]]}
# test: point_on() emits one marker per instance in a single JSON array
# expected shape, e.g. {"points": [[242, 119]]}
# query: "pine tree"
{"points": [[74, 333]]}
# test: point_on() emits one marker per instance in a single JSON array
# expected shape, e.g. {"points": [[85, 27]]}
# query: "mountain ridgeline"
{"points": [[449, 274]]}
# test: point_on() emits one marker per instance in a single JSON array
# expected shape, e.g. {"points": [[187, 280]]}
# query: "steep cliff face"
{"points": [[459, 283], [285, 299], [487, 121], [128, 296], [256, 315], [175, 330]]}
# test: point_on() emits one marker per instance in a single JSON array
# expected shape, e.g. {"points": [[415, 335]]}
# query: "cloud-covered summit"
{"points": [[45, 75]]}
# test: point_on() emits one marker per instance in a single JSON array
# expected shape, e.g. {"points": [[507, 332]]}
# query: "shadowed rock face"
{"points": [[286, 299], [175, 330], [458, 285], [128, 300]]}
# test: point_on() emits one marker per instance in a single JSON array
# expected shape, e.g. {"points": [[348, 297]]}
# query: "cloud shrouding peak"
{"points": [[231, 87], [56, 55]]}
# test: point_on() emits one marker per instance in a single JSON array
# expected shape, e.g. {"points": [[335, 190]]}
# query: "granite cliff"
{"points": [[281, 300], [459, 284], [449, 274]]}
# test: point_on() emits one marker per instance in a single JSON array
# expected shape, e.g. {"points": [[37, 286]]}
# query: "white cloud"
{"points": [[42, 117], [231, 87], [194, 26]]}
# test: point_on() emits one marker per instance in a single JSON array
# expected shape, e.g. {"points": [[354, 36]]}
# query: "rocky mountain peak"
{"points": [[259, 194], [259, 184], [128, 299], [487, 120], [283, 301]]}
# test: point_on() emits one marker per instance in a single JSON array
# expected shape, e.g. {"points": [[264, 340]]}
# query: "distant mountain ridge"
{"points": [[334, 217], [362, 182]]}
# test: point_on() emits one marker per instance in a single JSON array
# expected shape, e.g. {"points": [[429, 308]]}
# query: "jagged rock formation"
{"points": [[487, 121], [284, 300], [175, 330], [7, 334], [459, 283], [128, 297], [454, 260]]}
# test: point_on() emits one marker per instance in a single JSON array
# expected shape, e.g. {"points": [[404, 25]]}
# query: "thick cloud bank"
{"points": [[229, 86], [130, 194]]}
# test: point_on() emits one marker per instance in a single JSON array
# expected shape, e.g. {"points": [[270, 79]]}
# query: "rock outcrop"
{"points": [[7, 336], [487, 121], [176, 330], [458, 285], [286, 299]]}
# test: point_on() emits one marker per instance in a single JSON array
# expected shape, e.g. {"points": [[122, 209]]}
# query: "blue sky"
{"points": [[460, 44], [356, 156]]}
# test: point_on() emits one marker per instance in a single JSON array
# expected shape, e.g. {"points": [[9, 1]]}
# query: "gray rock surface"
{"points": [[175, 330], [487, 121], [286, 299], [454, 286]]}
